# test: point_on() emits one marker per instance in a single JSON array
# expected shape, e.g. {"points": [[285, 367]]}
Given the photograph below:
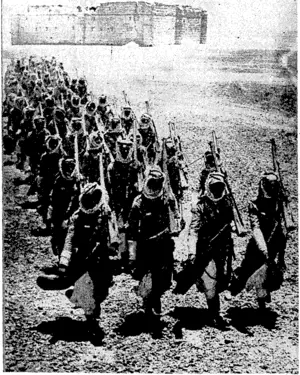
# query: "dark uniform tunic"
{"points": [[266, 216], [213, 258], [149, 226], [64, 202], [87, 242]]}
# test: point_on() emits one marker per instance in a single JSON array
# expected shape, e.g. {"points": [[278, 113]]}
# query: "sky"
{"points": [[231, 23]]}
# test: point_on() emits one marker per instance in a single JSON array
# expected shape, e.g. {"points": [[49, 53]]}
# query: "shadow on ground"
{"points": [[64, 329], [138, 322], [242, 318]]}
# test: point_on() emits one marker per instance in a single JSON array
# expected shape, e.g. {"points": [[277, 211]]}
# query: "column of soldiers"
{"points": [[111, 192]]}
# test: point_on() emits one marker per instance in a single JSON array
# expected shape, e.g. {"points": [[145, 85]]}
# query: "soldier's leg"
{"points": [[209, 279], [252, 261]]}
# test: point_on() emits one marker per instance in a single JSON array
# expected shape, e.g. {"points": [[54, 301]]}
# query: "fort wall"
{"points": [[115, 23]]}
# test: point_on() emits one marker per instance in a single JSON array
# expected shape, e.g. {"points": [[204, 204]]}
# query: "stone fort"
{"points": [[112, 23]]}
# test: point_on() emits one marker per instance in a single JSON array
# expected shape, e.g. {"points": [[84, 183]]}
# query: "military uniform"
{"points": [[85, 258], [147, 131], [210, 242], [48, 168], [150, 244], [267, 244], [64, 201]]}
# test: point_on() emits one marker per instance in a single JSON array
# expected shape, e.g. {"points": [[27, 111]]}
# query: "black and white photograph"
{"points": [[150, 186]]}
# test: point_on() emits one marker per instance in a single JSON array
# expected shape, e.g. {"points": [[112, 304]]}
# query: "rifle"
{"points": [[113, 230], [175, 222], [76, 154], [41, 109], [177, 142], [236, 213], [157, 145], [288, 219], [140, 177]]}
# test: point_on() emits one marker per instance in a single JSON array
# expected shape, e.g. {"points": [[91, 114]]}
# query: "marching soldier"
{"points": [[90, 164], [127, 119], [114, 133], [74, 109], [73, 86], [210, 166], [123, 179], [263, 265], [151, 245], [76, 135], [64, 201], [37, 144], [210, 246], [85, 259], [59, 124], [16, 116], [48, 168], [147, 131], [90, 118], [26, 127], [48, 111], [82, 90], [104, 111]]}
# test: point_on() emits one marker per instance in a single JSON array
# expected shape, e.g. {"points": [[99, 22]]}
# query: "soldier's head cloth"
{"points": [[116, 125], [81, 81], [90, 108], [154, 183], [59, 114], [11, 98], [215, 186], [102, 100], [124, 150], [53, 143], [91, 198], [66, 168], [76, 125], [145, 121], [20, 103], [209, 159], [29, 111], [75, 101], [126, 112], [95, 141], [50, 102], [269, 186], [39, 121]]}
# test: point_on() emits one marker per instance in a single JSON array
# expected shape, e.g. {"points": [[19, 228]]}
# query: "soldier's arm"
{"points": [[194, 228], [256, 230], [66, 254], [74, 203], [133, 228]]}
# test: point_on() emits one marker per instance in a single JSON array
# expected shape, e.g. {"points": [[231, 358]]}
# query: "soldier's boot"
{"points": [[213, 304], [153, 312], [95, 332]]}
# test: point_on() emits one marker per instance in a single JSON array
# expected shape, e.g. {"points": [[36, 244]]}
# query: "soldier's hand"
{"points": [[62, 269], [64, 224], [191, 257], [132, 266], [106, 209]]}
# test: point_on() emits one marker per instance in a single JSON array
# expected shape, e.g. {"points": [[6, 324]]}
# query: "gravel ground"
{"points": [[44, 333]]}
